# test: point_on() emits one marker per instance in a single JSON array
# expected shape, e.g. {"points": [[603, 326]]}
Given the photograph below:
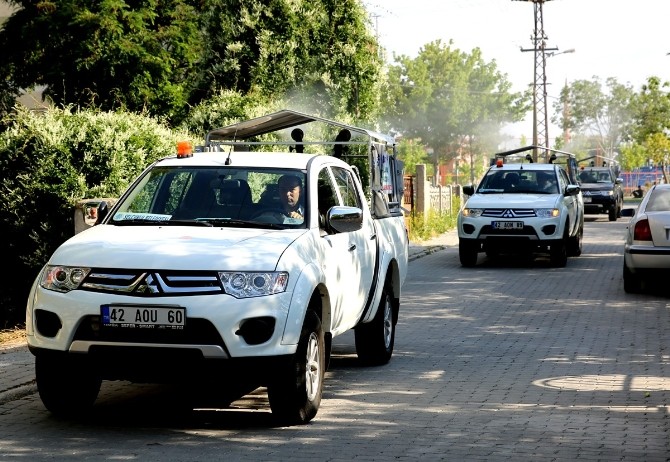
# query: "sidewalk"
{"points": [[437, 243], [17, 364]]}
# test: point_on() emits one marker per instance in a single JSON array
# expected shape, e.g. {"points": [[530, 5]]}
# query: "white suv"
{"points": [[523, 208]]}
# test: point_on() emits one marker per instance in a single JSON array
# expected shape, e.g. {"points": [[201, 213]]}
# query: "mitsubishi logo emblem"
{"points": [[508, 214], [149, 285]]}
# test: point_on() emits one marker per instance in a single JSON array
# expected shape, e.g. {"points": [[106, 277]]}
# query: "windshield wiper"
{"points": [[241, 223], [146, 221]]}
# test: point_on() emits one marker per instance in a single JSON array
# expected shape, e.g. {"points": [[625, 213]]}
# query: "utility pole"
{"points": [[540, 135]]}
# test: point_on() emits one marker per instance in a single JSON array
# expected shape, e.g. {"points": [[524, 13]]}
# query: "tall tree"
{"points": [[164, 56], [651, 122], [319, 53], [651, 110], [108, 54], [601, 114], [451, 100]]}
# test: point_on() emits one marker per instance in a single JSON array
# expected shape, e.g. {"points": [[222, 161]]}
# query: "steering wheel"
{"points": [[269, 215]]}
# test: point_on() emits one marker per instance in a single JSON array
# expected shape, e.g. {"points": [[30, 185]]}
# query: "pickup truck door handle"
{"points": [[352, 247], [373, 237]]}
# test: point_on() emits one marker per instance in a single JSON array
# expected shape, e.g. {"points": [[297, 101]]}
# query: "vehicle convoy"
{"points": [[523, 207], [602, 191], [239, 262]]}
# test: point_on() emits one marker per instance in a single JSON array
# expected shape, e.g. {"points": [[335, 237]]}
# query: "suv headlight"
{"points": [[63, 278], [547, 213], [473, 213], [243, 284]]}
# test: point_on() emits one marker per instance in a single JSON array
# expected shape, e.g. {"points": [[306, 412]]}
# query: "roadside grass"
{"points": [[12, 336], [423, 228]]}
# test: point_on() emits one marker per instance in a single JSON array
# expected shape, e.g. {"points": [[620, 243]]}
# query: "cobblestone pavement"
{"points": [[508, 360]]}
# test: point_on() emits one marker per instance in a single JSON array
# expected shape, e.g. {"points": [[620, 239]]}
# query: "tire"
{"points": [[467, 253], [296, 388], [375, 340], [558, 253], [67, 386], [631, 282], [613, 213], [575, 243]]}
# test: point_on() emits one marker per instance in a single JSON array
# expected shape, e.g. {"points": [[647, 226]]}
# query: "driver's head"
{"points": [[290, 187]]}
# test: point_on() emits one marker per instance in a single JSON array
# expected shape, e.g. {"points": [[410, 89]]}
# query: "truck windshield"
{"points": [[223, 196]]}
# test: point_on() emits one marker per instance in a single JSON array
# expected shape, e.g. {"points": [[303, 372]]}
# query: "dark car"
{"points": [[602, 191]]}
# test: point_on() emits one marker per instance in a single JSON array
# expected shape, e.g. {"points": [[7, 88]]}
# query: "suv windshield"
{"points": [[596, 175], [218, 196], [519, 181]]}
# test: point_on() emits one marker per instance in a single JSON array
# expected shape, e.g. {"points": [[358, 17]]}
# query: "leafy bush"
{"points": [[49, 161], [434, 224]]}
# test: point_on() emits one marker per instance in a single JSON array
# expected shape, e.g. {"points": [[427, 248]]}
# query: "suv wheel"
{"points": [[67, 386], [467, 253], [296, 387], [613, 213], [375, 340], [575, 243], [558, 253]]}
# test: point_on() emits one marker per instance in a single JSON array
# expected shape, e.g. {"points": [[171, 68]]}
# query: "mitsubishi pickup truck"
{"points": [[238, 260], [523, 208]]}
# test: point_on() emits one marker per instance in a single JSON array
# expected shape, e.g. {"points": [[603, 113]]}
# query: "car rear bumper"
{"points": [[639, 258]]}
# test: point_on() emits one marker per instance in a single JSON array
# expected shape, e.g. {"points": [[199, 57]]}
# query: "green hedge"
{"points": [[49, 161]]}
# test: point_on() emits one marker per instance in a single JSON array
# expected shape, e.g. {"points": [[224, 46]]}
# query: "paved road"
{"points": [[502, 361]]}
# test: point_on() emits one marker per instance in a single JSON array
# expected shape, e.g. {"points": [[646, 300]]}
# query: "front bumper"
{"points": [[599, 204], [217, 326]]}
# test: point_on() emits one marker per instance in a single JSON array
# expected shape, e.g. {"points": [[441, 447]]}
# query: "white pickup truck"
{"points": [[233, 263]]}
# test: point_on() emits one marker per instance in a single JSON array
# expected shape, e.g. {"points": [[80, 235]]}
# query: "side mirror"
{"points": [[103, 210], [468, 190], [572, 190], [344, 219]]}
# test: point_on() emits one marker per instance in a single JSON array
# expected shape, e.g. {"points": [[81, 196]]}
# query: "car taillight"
{"points": [[642, 231]]}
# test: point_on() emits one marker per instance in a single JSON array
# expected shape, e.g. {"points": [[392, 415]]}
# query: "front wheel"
{"points": [[375, 340], [467, 253], [296, 388], [558, 252], [67, 386], [575, 243], [613, 214]]}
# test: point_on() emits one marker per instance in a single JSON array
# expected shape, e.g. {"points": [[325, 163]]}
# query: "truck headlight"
{"points": [[473, 213], [63, 278], [244, 284], [547, 213]]}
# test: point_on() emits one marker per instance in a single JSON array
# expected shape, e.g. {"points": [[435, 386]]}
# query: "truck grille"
{"points": [[509, 213], [152, 283]]}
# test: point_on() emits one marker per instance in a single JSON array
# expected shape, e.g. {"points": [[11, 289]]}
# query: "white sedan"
{"points": [[647, 242]]}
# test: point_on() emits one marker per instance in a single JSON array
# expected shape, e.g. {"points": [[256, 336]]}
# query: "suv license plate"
{"points": [[143, 317], [507, 224]]}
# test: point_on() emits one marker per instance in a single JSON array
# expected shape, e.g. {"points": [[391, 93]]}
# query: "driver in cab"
{"points": [[290, 189]]}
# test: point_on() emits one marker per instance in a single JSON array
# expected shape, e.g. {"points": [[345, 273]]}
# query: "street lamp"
{"points": [[544, 90], [571, 50]]}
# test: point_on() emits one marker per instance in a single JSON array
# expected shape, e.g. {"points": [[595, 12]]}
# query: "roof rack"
{"points": [[570, 160], [241, 133]]}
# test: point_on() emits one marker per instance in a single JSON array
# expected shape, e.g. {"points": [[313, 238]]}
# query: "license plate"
{"points": [[507, 224], [587, 199], [143, 317]]}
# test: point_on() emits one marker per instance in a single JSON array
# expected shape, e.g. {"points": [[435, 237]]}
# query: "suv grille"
{"points": [[509, 213], [151, 283]]}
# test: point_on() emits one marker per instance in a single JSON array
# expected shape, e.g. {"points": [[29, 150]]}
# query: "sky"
{"points": [[625, 39]]}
